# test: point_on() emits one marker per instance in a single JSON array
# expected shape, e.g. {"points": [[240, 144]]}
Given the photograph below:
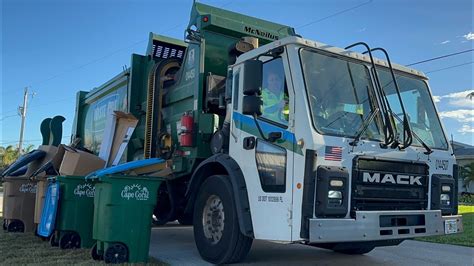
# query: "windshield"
{"points": [[340, 94], [420, 109]]}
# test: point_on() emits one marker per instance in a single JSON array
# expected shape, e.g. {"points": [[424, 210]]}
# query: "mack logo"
{"points": [[260, 33], [393, 179]]}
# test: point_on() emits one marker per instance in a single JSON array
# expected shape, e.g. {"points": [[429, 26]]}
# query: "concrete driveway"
{"points": [[174, 244]]}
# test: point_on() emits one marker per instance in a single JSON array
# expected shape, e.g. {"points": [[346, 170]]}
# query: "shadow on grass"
{"points": [[26, 248]]}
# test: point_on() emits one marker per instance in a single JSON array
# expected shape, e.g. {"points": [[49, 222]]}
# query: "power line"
{"points": [[432, 71], [334, 14], [440, 57], [29, 140]]}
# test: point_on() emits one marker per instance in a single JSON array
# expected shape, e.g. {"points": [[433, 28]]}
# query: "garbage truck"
{"points": [[275, 137]]}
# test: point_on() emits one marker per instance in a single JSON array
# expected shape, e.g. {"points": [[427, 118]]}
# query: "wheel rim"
{"points": [[213, 219], [70, 240], [116, 253]]}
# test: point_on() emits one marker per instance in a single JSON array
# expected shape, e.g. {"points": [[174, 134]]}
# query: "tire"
{"points": [[94, 254], [53, 240], [221, 242], [116, 253], [70, 240], [164, 211], [185, 220], [16, 226], [5, 225]]}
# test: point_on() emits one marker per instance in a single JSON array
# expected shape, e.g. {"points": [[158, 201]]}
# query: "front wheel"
{"points": [[216, 226]]}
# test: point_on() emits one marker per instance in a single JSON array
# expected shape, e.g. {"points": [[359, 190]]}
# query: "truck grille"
{"points": [[388, 185]]}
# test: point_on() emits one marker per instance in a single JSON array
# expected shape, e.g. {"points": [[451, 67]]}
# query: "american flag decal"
{"points": [[333, 153]]}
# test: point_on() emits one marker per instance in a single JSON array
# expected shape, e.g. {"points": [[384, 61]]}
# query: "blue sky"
{"points": [[58, 47]]}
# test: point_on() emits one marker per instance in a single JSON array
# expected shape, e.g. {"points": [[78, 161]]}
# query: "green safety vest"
{"points": [[271, 106]]}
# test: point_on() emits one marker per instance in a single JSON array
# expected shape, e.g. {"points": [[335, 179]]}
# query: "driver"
{"points": [[275, 100]]}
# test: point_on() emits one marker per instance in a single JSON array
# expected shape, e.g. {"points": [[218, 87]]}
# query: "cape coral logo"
{"points": [[28, 188], [135, 192], [84, 190]]}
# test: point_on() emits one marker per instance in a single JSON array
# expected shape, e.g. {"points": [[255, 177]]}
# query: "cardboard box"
{"points": [[53, 154], [80, 163], [119, 128]]}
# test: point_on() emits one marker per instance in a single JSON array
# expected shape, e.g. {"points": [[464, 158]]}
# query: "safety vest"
{"points": [[272, 106]]}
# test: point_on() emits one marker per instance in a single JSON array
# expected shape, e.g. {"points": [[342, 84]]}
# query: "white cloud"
{"points": [[469, 36], [445, 42], [466, 129], [461, 115], [458, 99]]}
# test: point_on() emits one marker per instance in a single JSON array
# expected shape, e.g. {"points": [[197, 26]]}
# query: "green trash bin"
{"points": [[75, 213], [123, 208]]}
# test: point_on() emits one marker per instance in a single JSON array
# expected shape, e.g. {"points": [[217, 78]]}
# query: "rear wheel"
{"points": [[53, 240], [16, 226], [216, 227], [70, 240], [164, 211], [94, 254], [116, 253]]}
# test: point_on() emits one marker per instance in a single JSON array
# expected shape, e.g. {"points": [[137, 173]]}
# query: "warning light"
{"points": [[298, 185], [205, 19]]}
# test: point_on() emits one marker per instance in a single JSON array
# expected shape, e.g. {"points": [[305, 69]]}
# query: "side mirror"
{"points": [[252, 105], [252, 77]]}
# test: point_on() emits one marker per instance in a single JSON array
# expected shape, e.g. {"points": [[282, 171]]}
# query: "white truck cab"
{"points": [[352, 154]]}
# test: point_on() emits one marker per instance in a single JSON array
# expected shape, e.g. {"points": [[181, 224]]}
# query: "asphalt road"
{"points": [[174, 244]]}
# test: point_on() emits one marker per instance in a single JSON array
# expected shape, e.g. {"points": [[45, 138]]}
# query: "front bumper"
{"points": [[381, 225]]}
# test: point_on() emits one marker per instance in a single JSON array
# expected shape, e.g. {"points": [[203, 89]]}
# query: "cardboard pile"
{"points": [[119, 128]]}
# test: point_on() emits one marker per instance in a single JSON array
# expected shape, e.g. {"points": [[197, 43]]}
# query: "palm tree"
{"points": [[10, 154]]}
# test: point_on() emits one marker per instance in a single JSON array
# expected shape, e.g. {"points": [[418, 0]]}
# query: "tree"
{"points": [[10, 154], [467, 173]]}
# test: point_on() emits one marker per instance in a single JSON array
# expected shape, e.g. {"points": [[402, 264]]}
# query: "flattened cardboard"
{"points": [[53, 154], [118, 131], [81, 163]]}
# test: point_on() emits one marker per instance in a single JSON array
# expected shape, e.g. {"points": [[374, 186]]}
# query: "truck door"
{"points": [[267, 164]]}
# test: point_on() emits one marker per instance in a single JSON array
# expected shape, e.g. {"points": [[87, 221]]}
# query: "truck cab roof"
{"points": [[324, 47]]}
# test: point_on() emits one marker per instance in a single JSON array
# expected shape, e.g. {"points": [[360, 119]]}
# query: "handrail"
{"points": [[389, 130]]}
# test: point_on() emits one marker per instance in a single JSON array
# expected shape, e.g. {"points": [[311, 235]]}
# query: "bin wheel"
{"points": [[16, 226], [116, 253], [5, 225], [216, 225], [94, 254], [53, 240], [70, 240]]}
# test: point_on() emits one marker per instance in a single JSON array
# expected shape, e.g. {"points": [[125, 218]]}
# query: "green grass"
{"points": [[26, 248], [465, 238]]}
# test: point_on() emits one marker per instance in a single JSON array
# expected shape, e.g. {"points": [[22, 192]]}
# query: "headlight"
{"points": [[445, 199], [334, 197]]}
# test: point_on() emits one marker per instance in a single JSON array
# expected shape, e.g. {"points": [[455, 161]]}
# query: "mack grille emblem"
{"points": [[392, 179]]}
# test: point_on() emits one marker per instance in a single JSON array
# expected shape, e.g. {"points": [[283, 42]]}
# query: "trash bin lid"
{"points": [[48, 215], [126, 167]]}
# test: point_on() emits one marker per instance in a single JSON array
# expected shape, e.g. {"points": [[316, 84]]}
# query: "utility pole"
{"points": [[22, 113]]}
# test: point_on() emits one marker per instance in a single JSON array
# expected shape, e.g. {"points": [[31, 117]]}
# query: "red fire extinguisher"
{"points": [[187, 126]]}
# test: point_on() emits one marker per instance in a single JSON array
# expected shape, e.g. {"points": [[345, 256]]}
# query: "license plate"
{"points": [[450, 227]]}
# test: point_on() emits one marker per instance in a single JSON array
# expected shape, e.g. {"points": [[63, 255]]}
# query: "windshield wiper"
{"points": [[427, 148], [364, 127]]}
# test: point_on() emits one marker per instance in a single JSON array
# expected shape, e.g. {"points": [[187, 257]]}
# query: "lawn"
{"points": [[25, 248], [466, 238]]}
